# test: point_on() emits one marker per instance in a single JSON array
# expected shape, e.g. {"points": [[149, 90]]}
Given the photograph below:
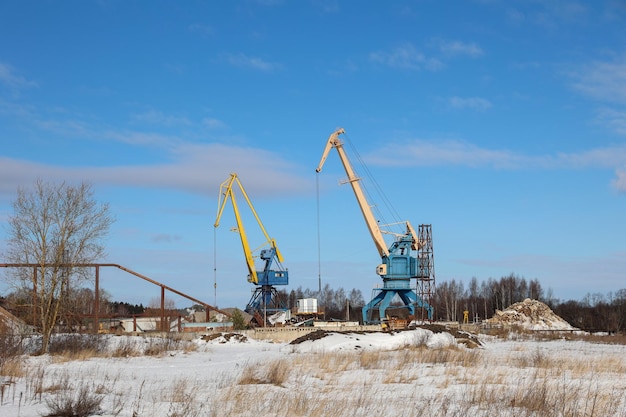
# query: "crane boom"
{"points": [[226, 192], [366, 210]]}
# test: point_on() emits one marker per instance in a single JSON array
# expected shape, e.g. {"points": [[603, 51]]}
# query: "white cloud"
{"points": [[269, 2], [406, 57], [620, 182], [156, 117], [205, 30], [604, 81], [165, 238], [515, 16], [460, 48], [13, 81], [615, 120], [245, 61], [327, 6], [213, 123], [448, 152], [474, 103], [458, 153], [14, 109], [83, 130], [452, 152], [563, 11], [550, 14], [65, 127], [194, 168], [140, 138]]}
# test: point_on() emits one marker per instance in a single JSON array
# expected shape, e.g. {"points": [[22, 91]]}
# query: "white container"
{"points": [[307, 305]]}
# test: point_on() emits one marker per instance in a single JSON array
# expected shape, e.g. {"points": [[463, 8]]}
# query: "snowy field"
{"points": [[410, 373]]}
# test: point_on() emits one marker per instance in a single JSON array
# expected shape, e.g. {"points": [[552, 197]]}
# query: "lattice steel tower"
{"points": [[425, 283]]}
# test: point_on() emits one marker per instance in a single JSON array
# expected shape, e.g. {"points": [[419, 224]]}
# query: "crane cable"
{"points": [[319, 261], [378, 189], [214, 267]]}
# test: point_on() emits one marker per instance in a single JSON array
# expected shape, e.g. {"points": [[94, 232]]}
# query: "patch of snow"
{"points": [[333, 342], [441, 340]]}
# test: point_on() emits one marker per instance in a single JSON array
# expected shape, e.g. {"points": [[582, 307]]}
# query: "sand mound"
{"points": [[531, 315]]}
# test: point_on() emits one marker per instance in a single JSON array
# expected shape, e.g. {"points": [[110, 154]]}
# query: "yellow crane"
{"points": [[265, 297]]}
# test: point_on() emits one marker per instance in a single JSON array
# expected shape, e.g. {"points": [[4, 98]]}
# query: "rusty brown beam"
{"points": [[145, 278]]}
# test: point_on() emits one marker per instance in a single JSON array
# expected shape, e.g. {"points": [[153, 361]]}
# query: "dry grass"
{"points": [[531, 382], [158, 346], [80, 355], [274, 373], [370, 359], [80, 347], [527, 381], [520, 333], [12, 368], [126, 348], [183, 400]]}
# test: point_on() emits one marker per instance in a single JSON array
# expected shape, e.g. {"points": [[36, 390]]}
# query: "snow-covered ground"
{"points": [[409, 373]]}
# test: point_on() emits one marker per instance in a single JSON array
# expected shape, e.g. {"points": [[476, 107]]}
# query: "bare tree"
{"points": [[450, 294], [356, 298], [55, 226]]}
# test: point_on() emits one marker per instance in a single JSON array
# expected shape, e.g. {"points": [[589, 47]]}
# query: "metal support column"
{"points": [[34, 313], [96, 302], [163, 327]]}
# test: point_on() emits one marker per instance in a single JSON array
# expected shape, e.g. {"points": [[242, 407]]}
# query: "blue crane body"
{"points": [[269, 276], [265, 293]]}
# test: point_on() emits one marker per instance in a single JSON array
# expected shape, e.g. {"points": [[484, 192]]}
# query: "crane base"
{"points": [[383, 300]]}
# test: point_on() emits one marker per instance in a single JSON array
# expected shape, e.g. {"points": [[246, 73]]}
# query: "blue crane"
{"points": [[399, 262]]}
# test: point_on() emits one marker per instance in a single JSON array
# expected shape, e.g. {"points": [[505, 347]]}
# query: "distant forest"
{"points": [[595, 312]]}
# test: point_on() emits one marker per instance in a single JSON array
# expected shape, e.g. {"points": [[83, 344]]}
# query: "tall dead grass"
{"points": [[274, 373]]}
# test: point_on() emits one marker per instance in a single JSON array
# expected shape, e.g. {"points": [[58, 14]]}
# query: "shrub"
{"points": [[239, 322], [74, 403], [76, 345], [10, 347]]}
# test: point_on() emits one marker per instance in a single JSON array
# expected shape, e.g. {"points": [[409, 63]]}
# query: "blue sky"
{"points": [[501, 123]]}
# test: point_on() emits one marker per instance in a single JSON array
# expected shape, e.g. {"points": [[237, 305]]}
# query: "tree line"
{"points": [[481, 299], [596, 312]]}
